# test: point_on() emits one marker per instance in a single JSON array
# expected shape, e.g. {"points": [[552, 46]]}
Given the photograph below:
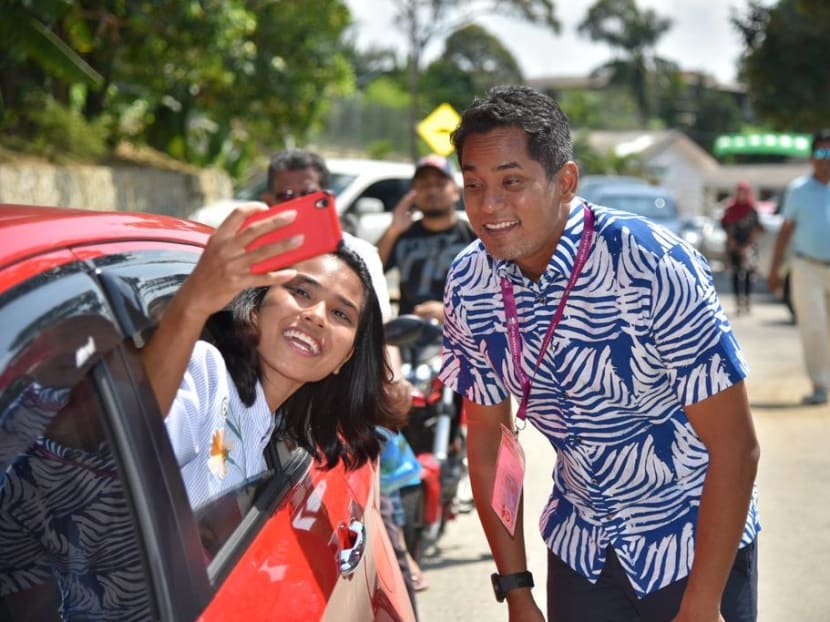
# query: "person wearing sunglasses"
{"points": [[294, 173], [806, 225]]}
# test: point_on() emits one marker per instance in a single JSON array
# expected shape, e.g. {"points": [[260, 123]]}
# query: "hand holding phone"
{"points": [[316, 220]]}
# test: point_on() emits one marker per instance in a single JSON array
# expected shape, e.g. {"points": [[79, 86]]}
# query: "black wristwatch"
{"points": [[503, 583]]}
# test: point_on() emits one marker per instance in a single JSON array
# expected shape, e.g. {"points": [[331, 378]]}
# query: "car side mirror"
{"points": [[368, 205]]}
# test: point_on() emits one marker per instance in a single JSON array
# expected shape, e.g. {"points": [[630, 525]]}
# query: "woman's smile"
{"points": [[302, 341]]}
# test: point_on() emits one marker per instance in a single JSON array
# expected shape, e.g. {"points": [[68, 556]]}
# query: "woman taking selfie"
{"points": [[301, 348]]}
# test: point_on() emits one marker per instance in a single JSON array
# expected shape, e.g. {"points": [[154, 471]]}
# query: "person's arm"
{"points": [[430, 310], [781, 243], [483, 438], [401, 222], [724, 424], [223, 271]]}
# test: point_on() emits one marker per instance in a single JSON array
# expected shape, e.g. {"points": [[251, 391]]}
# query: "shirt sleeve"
{"points": [[190, 418], [789, 209], [691, 332], [465, 367]]}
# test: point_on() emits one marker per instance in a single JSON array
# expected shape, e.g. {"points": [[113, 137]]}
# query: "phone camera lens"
{"points": [[322, 203]]}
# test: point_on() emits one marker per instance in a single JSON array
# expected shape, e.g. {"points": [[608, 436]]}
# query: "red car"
{"points": [[94, 518]]}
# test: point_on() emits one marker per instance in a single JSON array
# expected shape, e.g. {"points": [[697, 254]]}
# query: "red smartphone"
{"points": [[316, 219]]}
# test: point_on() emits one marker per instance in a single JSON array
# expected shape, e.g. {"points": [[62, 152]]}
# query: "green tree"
{"points": [[694, 105], [785, 62], [472, 62], [218, 71], [44, 79], [204, 80], [422, 20], [633, 33]]}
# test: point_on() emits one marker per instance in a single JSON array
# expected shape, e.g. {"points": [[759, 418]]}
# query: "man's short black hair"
{"points": [[539, 116], [295, 160], [822, 136]]}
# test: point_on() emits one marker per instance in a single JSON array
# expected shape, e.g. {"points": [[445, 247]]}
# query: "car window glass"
{"points": [[339, 182], [68, 543], [389, 191], [221, 517], [657, 208]]}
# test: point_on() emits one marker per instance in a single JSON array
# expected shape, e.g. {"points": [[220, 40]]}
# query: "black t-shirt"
{"points": [[423, 258]]}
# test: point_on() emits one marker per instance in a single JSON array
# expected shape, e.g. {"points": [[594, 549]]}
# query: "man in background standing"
{"points": [[806, 214], [423, 249]]}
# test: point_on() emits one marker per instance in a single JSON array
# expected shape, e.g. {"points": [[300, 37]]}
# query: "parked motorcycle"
{"points": [[436, 433]]}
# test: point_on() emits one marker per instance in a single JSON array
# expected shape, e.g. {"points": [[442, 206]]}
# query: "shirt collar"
{"points": [[562, 262]]}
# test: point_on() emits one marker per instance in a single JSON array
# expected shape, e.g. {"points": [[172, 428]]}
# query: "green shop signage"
{"points": [[796, 145]]}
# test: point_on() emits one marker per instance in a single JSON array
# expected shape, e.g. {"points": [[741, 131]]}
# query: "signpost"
{"points": [[436, 128]]}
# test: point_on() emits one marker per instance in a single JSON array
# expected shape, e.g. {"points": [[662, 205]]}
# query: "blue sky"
{"points": [[701, 38]]}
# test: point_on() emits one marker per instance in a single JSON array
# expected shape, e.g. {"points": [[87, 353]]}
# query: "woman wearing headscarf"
{"points": [[742, 226]]}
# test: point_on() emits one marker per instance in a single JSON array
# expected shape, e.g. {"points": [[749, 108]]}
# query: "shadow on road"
{"points": [[776, 405], [439, 560]]}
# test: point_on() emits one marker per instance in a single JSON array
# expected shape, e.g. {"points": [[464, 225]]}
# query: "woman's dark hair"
{"points": [[539, 116], [333, 418]]}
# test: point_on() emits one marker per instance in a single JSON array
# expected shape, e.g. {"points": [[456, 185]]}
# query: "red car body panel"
{"points": [[66, 228], [296, 578]]}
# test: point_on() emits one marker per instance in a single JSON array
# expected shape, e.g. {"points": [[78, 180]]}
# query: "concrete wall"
{"points": [[121, 188]]}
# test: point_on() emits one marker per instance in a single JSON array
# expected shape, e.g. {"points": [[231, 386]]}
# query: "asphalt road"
{"points": [[794, 485]]}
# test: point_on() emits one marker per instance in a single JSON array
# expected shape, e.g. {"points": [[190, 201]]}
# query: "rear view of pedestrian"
{"points": [[742, 226]]}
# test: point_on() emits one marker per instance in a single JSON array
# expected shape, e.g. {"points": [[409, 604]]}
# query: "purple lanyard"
{"points": [[514, 337]]}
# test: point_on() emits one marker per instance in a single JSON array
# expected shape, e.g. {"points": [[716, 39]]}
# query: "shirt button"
{"points": [[542, 300], [593, 480]]}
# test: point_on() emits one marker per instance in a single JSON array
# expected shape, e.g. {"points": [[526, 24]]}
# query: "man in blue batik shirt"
{"points": [[640, 389]]}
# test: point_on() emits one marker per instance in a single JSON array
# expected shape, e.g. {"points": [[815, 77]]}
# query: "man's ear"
{"points": [[568, 180]]}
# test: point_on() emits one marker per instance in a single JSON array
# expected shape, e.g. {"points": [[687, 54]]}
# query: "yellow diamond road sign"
{"points": [[436, 128]]}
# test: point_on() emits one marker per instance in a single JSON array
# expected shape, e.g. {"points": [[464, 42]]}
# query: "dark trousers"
{"points": [[386, 511], [741, 276], [572, 598]]}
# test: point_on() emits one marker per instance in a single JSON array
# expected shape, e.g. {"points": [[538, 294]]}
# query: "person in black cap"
{"points": [[423, 248]]}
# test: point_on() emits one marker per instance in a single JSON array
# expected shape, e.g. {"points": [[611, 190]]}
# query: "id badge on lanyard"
{"points": [[510, 466], [510, 474]]}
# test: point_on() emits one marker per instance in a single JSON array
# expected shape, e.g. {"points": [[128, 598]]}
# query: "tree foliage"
{"points": [[422, 20], [473, 61], [633, 33], [202, 80], [785, 62]]}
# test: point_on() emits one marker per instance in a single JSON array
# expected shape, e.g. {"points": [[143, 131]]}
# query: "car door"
{"points": [[75, 405]]}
